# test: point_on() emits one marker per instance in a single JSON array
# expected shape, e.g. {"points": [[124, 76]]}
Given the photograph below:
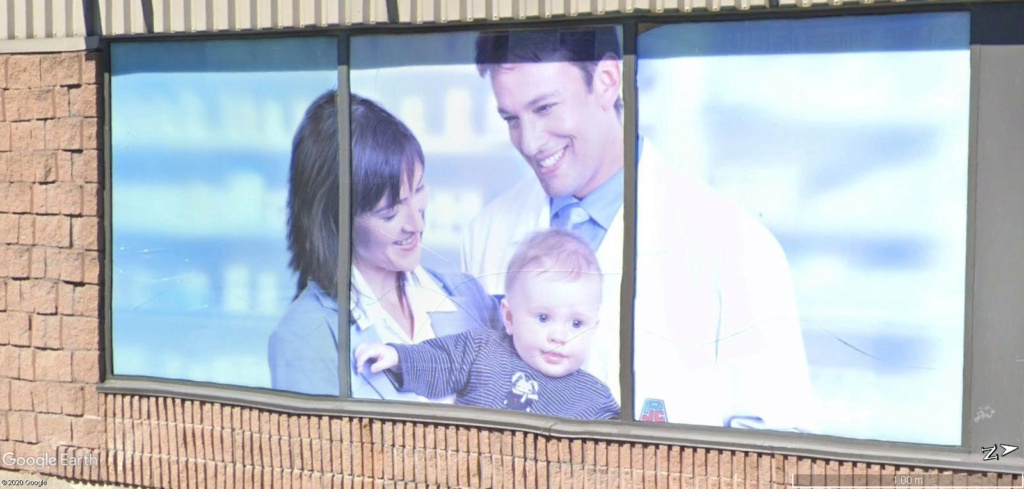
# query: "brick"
{"points": [[53, 260], [69, 199], [81, 333], [66, 299], [43, 296], [85, 232], [71, 266], [23, 71], [3, 307], [46, 397], [91, 134], [28, 432], [18, 326], [19, 261], [87, 432], [85, 366], [46, 331], [27, 229], [53, 365], [53, 231], [9, 359], [26, 105], [26, 363], [91, 200], [86, 166], [84, 101], [40, 200], [87, 300], [14, 301], [5, 136], [61, 102], [65, 170], [54, 428], [91, 272], [28, 136], [71, 400], [90, 398], [64, 133], [21, 395], [9, 228], [61, 69], [38, 262], [91, 68], [13, 428], [19, 197]]}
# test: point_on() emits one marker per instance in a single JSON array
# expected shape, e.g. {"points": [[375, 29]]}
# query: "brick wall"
{"points": [[50, 361], [50, 241]]}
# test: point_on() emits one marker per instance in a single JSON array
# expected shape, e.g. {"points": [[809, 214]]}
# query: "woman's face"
{"points": [[387, 239]]}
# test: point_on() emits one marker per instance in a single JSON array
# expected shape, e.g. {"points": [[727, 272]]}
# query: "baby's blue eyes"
{"points": [[576, 323]]}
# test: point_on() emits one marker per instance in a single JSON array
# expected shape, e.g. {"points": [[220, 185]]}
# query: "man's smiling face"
{"points": [[564, 129]]}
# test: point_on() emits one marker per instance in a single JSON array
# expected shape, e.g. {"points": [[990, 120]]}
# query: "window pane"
{"points": [[502, 152], [201, 145], [802, 225]]}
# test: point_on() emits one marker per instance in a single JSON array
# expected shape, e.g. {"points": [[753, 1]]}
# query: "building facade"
{"points": [[144, 152]]}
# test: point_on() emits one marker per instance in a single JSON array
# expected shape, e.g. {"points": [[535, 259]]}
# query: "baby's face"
{"points": [[551, 320]]}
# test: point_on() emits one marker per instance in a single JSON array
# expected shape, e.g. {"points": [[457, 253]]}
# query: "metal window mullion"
{"points": [[107, 369], [344, 210], [628, 286]]}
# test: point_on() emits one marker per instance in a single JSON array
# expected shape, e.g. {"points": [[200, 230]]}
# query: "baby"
{"points": [[553, 294]]}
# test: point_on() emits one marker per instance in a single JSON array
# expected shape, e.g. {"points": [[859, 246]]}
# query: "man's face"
{"points": [[552, 321], [568, 133]]}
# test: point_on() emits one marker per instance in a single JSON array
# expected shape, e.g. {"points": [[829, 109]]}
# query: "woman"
{"points": [[392, 298]]}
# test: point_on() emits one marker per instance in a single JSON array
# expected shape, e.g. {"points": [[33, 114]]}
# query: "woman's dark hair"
{"points": [[383, 151]]}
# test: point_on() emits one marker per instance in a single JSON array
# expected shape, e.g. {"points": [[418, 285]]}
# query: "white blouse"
{"points": [[425, 296]]}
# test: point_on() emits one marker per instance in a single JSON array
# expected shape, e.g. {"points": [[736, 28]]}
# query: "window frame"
{"points": [[997, 54]]}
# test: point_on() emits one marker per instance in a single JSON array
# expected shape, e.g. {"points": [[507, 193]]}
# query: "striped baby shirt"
{"points": [[483, 369]]}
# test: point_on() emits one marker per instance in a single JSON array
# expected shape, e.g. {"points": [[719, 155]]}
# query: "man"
{"points": [[717, 338]]}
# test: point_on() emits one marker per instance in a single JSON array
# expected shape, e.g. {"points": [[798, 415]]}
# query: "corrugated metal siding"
{"points": [[43, 19], [121, 17]]}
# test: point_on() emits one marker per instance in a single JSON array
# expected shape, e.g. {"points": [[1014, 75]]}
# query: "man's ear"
{"points": [[607, 81], [506, 316]]}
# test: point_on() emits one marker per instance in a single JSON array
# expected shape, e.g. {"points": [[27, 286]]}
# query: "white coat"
{"points": [[716, 330]]}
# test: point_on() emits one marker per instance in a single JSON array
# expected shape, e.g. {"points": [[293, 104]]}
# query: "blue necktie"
{"points": [[575, 218]]}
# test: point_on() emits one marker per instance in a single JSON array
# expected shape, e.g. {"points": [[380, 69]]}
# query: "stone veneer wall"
{"points": [[51, 229]]}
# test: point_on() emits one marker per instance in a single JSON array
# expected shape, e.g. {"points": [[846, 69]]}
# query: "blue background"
{"points": [[201, 145], [848, 138]]}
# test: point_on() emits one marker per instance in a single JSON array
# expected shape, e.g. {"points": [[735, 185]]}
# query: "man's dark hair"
{"points": [[383, 151], [581, 47]]}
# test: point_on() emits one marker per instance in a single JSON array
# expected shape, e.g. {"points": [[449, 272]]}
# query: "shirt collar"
{"points": [[422, 291], [602, 204]]}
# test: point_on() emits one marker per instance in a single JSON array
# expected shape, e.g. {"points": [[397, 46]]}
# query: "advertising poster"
{"points": [[201, 141], [802, 225], [476, 279]]}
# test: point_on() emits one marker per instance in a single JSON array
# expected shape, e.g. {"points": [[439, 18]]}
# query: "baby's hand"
{"points": [[382, 356]]}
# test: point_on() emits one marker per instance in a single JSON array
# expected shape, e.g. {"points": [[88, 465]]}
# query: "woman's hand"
{"points": [[382, 356]]}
